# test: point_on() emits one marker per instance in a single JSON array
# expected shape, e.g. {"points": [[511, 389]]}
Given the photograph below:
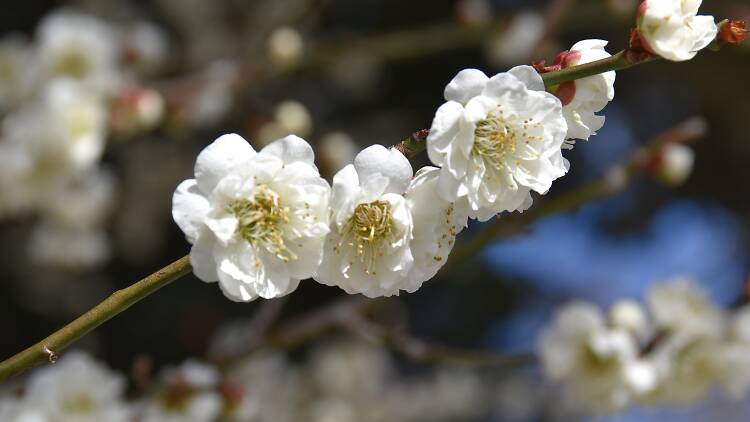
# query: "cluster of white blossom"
{"points": [[60, 96], [260, 222], [337, 382], [671, 353]]}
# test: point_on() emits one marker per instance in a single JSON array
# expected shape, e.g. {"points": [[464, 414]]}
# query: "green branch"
{"points": [[48, 349], [616, 62]]}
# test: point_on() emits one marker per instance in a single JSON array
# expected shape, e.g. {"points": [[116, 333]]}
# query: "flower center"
{"points": [[261, 219], [494, 139], [497, 138], [74, 64], [78, 403], [369, 230]]}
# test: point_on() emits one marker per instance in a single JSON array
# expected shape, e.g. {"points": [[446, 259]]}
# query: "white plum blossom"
{"points": [[671, 29], [585, 97], [257, 220], [436, 224], [599, 365], [78, 46], [369, 248], [497, 139], [77, 389]]}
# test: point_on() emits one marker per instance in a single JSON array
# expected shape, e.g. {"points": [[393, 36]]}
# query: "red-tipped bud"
{"points": [[641, 9], [638, 50], [566, 91], [732, 32]]}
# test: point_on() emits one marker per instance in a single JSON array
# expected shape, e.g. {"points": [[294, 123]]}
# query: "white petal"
{"points": [[529, 76], [389, 163], [189, 208], [219, 158], [291, 149], [202, 258], [466, 84], [704, 29], [443, 130]]}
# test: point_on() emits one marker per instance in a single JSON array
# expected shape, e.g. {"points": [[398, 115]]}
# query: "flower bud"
{"points": [[732, 32], [294, 117], [285, 47], [629, 316], [136, 109], [674, 164]]}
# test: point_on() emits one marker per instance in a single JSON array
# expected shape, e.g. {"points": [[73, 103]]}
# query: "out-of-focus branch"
{"points": [[418, 350], [47, 350]]}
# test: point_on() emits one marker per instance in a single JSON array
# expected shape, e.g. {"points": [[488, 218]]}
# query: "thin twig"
{"points": [[47, 350]]}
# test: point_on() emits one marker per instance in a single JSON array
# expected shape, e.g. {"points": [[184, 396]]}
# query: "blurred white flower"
{"points": [[369, 248], [628, 315], [257, 221], [337, 149], [188, 394], [84, 202], [348, 368], [517, 43], [15, 62], [734, 359], [78, 46], [49, 141], [214, 99], [680, 307], [671, 29], [687, 368], [436, 224], [71, 247], [77, 389], [497, 139], [294, 117], [599, 365], [585, 97], [145, 46], [675, 164]]}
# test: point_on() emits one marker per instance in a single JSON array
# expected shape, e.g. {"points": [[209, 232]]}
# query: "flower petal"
{"points": [[530, 77], [466, 84], [291, 149], [219, 158], [389, 163], [189, 208], [202, 258]]}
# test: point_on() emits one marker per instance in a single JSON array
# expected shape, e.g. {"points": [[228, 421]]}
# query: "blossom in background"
{"points": [[52, 139], [497, 139], [188, 393], [369, 248], [599, 364], [257, 220], [585, 97], [680, 306], [673, 355], [15, 60], [671, 29], [78, 46], [76, 389]]}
